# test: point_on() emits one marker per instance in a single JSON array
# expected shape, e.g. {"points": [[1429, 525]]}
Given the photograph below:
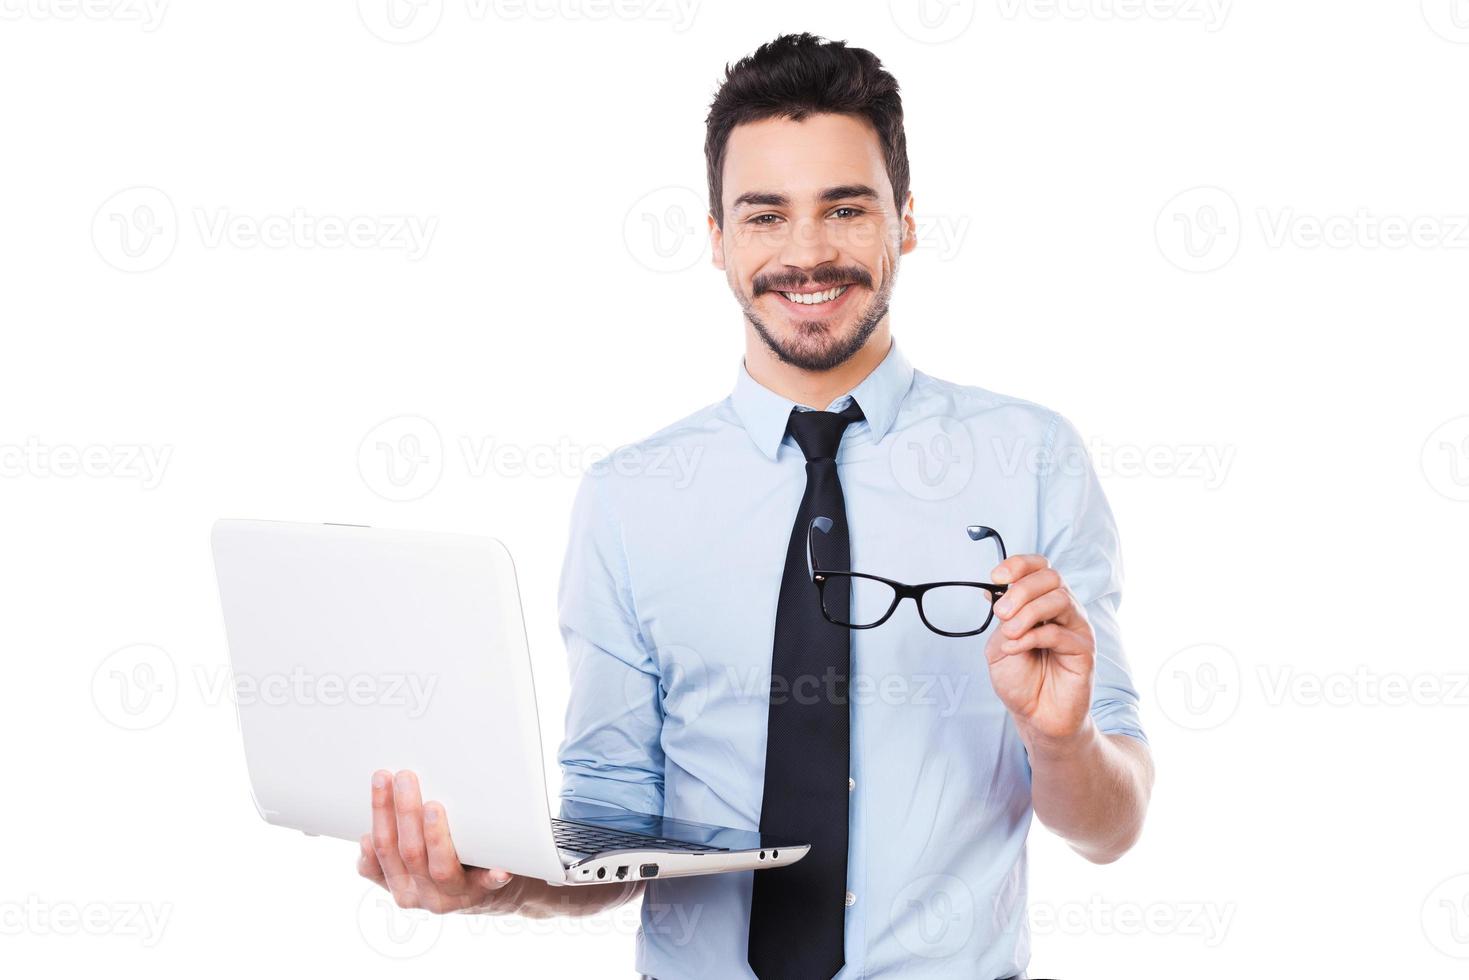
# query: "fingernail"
{"points": [[502, 876], [430, 814], [400, 782], [379, 781], [1004, 606]]}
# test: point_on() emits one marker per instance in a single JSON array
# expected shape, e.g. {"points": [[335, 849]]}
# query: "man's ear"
{"points": [[716, 243], [910, 227]]}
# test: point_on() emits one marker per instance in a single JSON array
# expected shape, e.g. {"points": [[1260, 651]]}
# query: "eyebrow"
{"points": [[777, 200]]}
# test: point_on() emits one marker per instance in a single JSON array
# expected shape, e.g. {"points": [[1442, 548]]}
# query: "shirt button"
{"points": [[851, 899], [851, 784]]}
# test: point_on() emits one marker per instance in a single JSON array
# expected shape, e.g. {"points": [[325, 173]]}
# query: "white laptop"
{"points": [[356, 649]]}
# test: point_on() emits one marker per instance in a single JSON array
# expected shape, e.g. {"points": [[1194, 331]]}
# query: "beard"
{"points": [[814, 344]]}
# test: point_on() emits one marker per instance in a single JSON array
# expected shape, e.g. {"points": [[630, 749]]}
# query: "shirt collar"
{"points": [[764, 413]]}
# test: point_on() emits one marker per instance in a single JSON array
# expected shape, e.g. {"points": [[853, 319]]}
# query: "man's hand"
{"points": [[1090, 789], [410, 853], [1042, 656]]}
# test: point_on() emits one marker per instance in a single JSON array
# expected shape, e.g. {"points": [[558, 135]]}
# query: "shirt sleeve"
{"points": [[1078, 535], [611, 753]]}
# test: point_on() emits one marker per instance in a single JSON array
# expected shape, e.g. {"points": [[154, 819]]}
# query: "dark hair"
{"points": [[797, 75]]}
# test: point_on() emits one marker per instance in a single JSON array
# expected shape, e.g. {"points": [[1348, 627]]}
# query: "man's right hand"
{"points": [[410, 853]]}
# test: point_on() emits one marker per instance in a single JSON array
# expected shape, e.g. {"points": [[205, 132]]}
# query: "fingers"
{"points": [[367, 863], [409, 806], [1026, 587], [411, 852], [1030, 587], [1016, 567], [489, 879], [443, 861], [1052, 636], [385, 830], [1051, 606], [444, 866]]}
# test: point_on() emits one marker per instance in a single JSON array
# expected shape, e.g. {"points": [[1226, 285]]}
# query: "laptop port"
{"points": [[601, 872], [622, 872], [648, 871]]}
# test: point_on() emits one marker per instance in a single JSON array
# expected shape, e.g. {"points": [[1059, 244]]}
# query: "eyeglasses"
{"points": [[862, 601]]}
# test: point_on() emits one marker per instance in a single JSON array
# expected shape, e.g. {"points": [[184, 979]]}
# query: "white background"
{"points": [[1270, 369]]}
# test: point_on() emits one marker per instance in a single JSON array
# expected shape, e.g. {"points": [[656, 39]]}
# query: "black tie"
{"points": [[798, 913]]}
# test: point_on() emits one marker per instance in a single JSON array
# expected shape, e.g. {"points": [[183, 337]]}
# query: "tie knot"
{"points": [[820, 433]]}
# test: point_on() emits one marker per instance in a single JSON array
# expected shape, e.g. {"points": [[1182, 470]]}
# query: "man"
{"points": [[710, 678]]}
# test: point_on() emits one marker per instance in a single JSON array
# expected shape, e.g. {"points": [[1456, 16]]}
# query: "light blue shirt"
{"points": [[667, 607]]}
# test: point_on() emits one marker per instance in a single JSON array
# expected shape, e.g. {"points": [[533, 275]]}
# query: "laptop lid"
{"points": [[356, 649]]}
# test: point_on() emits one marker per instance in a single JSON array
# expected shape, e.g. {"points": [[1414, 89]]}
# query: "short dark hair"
{"points": [[797, 75]]}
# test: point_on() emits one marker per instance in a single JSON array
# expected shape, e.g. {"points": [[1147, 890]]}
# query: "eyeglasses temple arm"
{"points": [[978, 532], [822, 524]]}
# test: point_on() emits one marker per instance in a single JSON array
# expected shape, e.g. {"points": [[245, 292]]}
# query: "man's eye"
{"points": [[756, 220], [854, 211]]}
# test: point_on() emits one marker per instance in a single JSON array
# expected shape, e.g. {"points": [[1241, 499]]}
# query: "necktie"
{"points": [[798, 913]]}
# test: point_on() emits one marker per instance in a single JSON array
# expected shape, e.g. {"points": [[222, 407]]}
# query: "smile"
{"points": [[819, 298]]}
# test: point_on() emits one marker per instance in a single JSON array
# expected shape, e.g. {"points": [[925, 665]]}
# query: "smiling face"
{"points": [[811, 235]]}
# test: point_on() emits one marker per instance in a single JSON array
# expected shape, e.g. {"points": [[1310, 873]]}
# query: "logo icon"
{"points": [[933, 916], [401, 21], [665, 230], [932, 21], [136, 229], [136, 687], [1445, 458], [1446, 917], [1199, 230], [934, 459], [1448, 18], [1199, 686], [396, 933], [402, 458]]}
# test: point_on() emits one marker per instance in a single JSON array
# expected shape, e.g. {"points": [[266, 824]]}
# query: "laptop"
{"points": [[356, 649]]}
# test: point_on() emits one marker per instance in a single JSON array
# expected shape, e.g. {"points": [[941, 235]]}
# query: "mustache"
{"points": [[821, 277]]}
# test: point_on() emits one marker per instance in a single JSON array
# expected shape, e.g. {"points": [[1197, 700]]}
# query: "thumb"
{"points": [[490, 879]]}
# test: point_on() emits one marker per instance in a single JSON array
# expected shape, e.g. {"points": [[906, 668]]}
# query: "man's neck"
{"points": [[814, 388]]}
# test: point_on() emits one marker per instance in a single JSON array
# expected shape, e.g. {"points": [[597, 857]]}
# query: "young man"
{"points": [[710, 678]]}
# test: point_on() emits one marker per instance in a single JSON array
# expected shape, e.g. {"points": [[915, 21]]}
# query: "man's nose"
{"points": [[809, 244]]}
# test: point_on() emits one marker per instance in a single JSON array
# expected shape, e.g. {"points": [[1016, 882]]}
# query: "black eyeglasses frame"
{"points": [[901, 590]]}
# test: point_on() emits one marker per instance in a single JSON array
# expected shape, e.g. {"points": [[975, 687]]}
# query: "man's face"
{"points": [[811, 235]]}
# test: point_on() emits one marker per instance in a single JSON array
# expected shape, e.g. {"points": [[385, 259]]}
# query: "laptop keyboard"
{"points": [[584, 838]]}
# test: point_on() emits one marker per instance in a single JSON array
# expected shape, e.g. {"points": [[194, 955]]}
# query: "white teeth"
{"points": [[807, 299]]}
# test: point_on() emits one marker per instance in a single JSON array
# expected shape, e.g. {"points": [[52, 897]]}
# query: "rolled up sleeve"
{"points": [[611, 752], [1078, 535]]}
